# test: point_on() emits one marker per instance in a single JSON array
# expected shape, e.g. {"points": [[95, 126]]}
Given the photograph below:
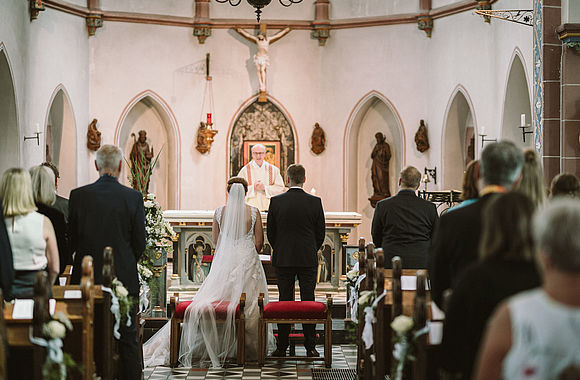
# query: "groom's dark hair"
{"points": [[296, 173], [240, 180]]}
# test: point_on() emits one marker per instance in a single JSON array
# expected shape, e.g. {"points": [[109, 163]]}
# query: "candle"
{"points": [[482, 128], [523, 120], [37, 128], [208, 118]]}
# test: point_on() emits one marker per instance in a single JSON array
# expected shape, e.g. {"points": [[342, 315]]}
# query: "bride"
{"points": [[236, 269]]}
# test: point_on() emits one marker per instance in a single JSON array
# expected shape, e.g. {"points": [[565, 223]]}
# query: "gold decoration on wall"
{"points": [[93, 136]]}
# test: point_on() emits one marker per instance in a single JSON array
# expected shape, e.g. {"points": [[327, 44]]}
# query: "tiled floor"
{"points": [[343, 357]]}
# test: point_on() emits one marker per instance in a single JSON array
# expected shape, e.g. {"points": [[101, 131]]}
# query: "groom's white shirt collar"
{"points": [[296, 187]]}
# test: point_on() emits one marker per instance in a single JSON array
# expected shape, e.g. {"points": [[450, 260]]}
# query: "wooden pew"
{"points": [[362, 286], [419, 368], [104, 345], [78, 342], [3, 342], [381, 317]]}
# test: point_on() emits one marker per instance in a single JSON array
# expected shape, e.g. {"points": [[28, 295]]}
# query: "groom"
{"points": [[296, 232]]}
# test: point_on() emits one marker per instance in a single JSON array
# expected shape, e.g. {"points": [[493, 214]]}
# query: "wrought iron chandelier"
{"points": [[259, 4]]}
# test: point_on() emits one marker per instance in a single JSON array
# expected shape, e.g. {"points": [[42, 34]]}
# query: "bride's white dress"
{"points": [[236, 269]]}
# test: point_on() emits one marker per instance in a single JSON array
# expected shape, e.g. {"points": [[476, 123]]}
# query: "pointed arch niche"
{"points": [[9, 143], [149, 112], [61, 139], [459, 139], [373, 113], [516, 102], [269, 122]]}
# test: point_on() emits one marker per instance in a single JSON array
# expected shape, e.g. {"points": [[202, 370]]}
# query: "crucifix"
{"points": [[261, 58]]}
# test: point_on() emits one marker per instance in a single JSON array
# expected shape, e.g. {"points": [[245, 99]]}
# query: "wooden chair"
{"points": [[177, 310], [308, 312]]}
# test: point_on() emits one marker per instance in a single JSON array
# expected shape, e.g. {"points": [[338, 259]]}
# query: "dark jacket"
{"points": [[60, 230], [455, 246], [6, 261], [106, 213], [403, 226], [295, 228]]}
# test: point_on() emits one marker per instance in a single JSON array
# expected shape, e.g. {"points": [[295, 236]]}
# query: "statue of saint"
{"points": [[93, 137], [318, 140], [380, 168], [141, 156], [422, 138], [261, 58]]}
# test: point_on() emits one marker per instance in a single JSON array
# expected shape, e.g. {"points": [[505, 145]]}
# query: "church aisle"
{"points": [[343, 367]]}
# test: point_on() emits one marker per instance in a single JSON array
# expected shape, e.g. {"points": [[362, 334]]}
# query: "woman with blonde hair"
{"points": [[532, 178], [31, 234], [44, 193]]}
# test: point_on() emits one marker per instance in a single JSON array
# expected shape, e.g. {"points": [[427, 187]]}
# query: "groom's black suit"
{"points": [[296, 231]]}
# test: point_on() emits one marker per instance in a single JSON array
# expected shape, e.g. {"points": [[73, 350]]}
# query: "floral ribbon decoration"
{"points": [[143, 295], [116, 310], [402, 324], [53, 349], [353, 300], [367, 334]]}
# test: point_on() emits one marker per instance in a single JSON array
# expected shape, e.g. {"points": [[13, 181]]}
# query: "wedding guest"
{"points": [[403, 224], [456, 239], [565, 184], [6, 264], [60, 203], [296, 231], [44, 197], [535, 334], [106, 213], [31, 234], [532, 179], [470, 187], [505, 267]]}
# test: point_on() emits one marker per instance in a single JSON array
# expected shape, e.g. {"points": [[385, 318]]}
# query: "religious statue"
{"points": [[261, 58], [264, 179], [141, 156], [380, 155], [93, 136], [196, 272], [421, 138], [205, 137], [318, 140]]}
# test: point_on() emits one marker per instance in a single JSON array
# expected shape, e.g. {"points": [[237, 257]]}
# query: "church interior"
{"points": [[436, 80]]}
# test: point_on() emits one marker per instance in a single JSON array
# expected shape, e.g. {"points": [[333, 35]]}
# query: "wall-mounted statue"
{"points": [[261, 58], [141, 156], [318, 140], [381, 156], [93, 136], [422, 138]]}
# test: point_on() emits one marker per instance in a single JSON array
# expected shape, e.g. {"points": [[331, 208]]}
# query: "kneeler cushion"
{"points": [[295, 310], [221, 309]]}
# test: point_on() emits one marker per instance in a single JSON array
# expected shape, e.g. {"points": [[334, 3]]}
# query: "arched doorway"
{"points": [[459, 139], [373, 113], [61, 140], [9, 143], [516, 103], [148, 112], [267, 123]]}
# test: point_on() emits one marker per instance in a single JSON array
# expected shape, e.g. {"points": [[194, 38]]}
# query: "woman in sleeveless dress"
{"points": [[236, 269]]}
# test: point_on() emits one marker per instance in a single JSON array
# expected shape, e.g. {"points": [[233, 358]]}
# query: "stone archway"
{"points": [[459, 139], [516, 103], [373, 113], [148, 112], [262, 122], [10, 142], [61, 140]]}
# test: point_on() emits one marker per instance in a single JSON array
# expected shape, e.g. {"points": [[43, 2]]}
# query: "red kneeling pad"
{"points": [[295, 310], [220, 308]]}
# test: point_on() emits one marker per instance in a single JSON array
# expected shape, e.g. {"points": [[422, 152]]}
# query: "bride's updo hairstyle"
{"points": [[238, 180]]}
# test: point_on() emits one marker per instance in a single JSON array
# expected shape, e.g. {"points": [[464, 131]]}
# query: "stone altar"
{"points": [[194, 234]]}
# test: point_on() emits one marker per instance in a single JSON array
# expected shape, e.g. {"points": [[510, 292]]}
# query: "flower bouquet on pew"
{"points": [[404, 348]]}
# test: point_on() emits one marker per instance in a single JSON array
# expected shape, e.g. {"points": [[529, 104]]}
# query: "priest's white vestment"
{"points": [[269, 175]]}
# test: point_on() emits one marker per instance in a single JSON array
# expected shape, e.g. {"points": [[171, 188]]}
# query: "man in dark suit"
{"points": [[6, 261], [456, 239], [403, 224], [296, 232], [106, 213]]}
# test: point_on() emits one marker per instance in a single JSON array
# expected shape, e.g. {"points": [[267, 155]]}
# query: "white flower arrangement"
{"points": [[402, 324], [145, 273], [57, 364], [352, 276], [125, 302], [366, 298], [404, 348]]}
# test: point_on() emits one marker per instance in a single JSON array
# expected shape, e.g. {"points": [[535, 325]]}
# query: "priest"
{"points": [[264, 179]]}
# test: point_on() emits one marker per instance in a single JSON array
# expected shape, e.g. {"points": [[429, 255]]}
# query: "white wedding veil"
{"points": [[203, 336]]}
